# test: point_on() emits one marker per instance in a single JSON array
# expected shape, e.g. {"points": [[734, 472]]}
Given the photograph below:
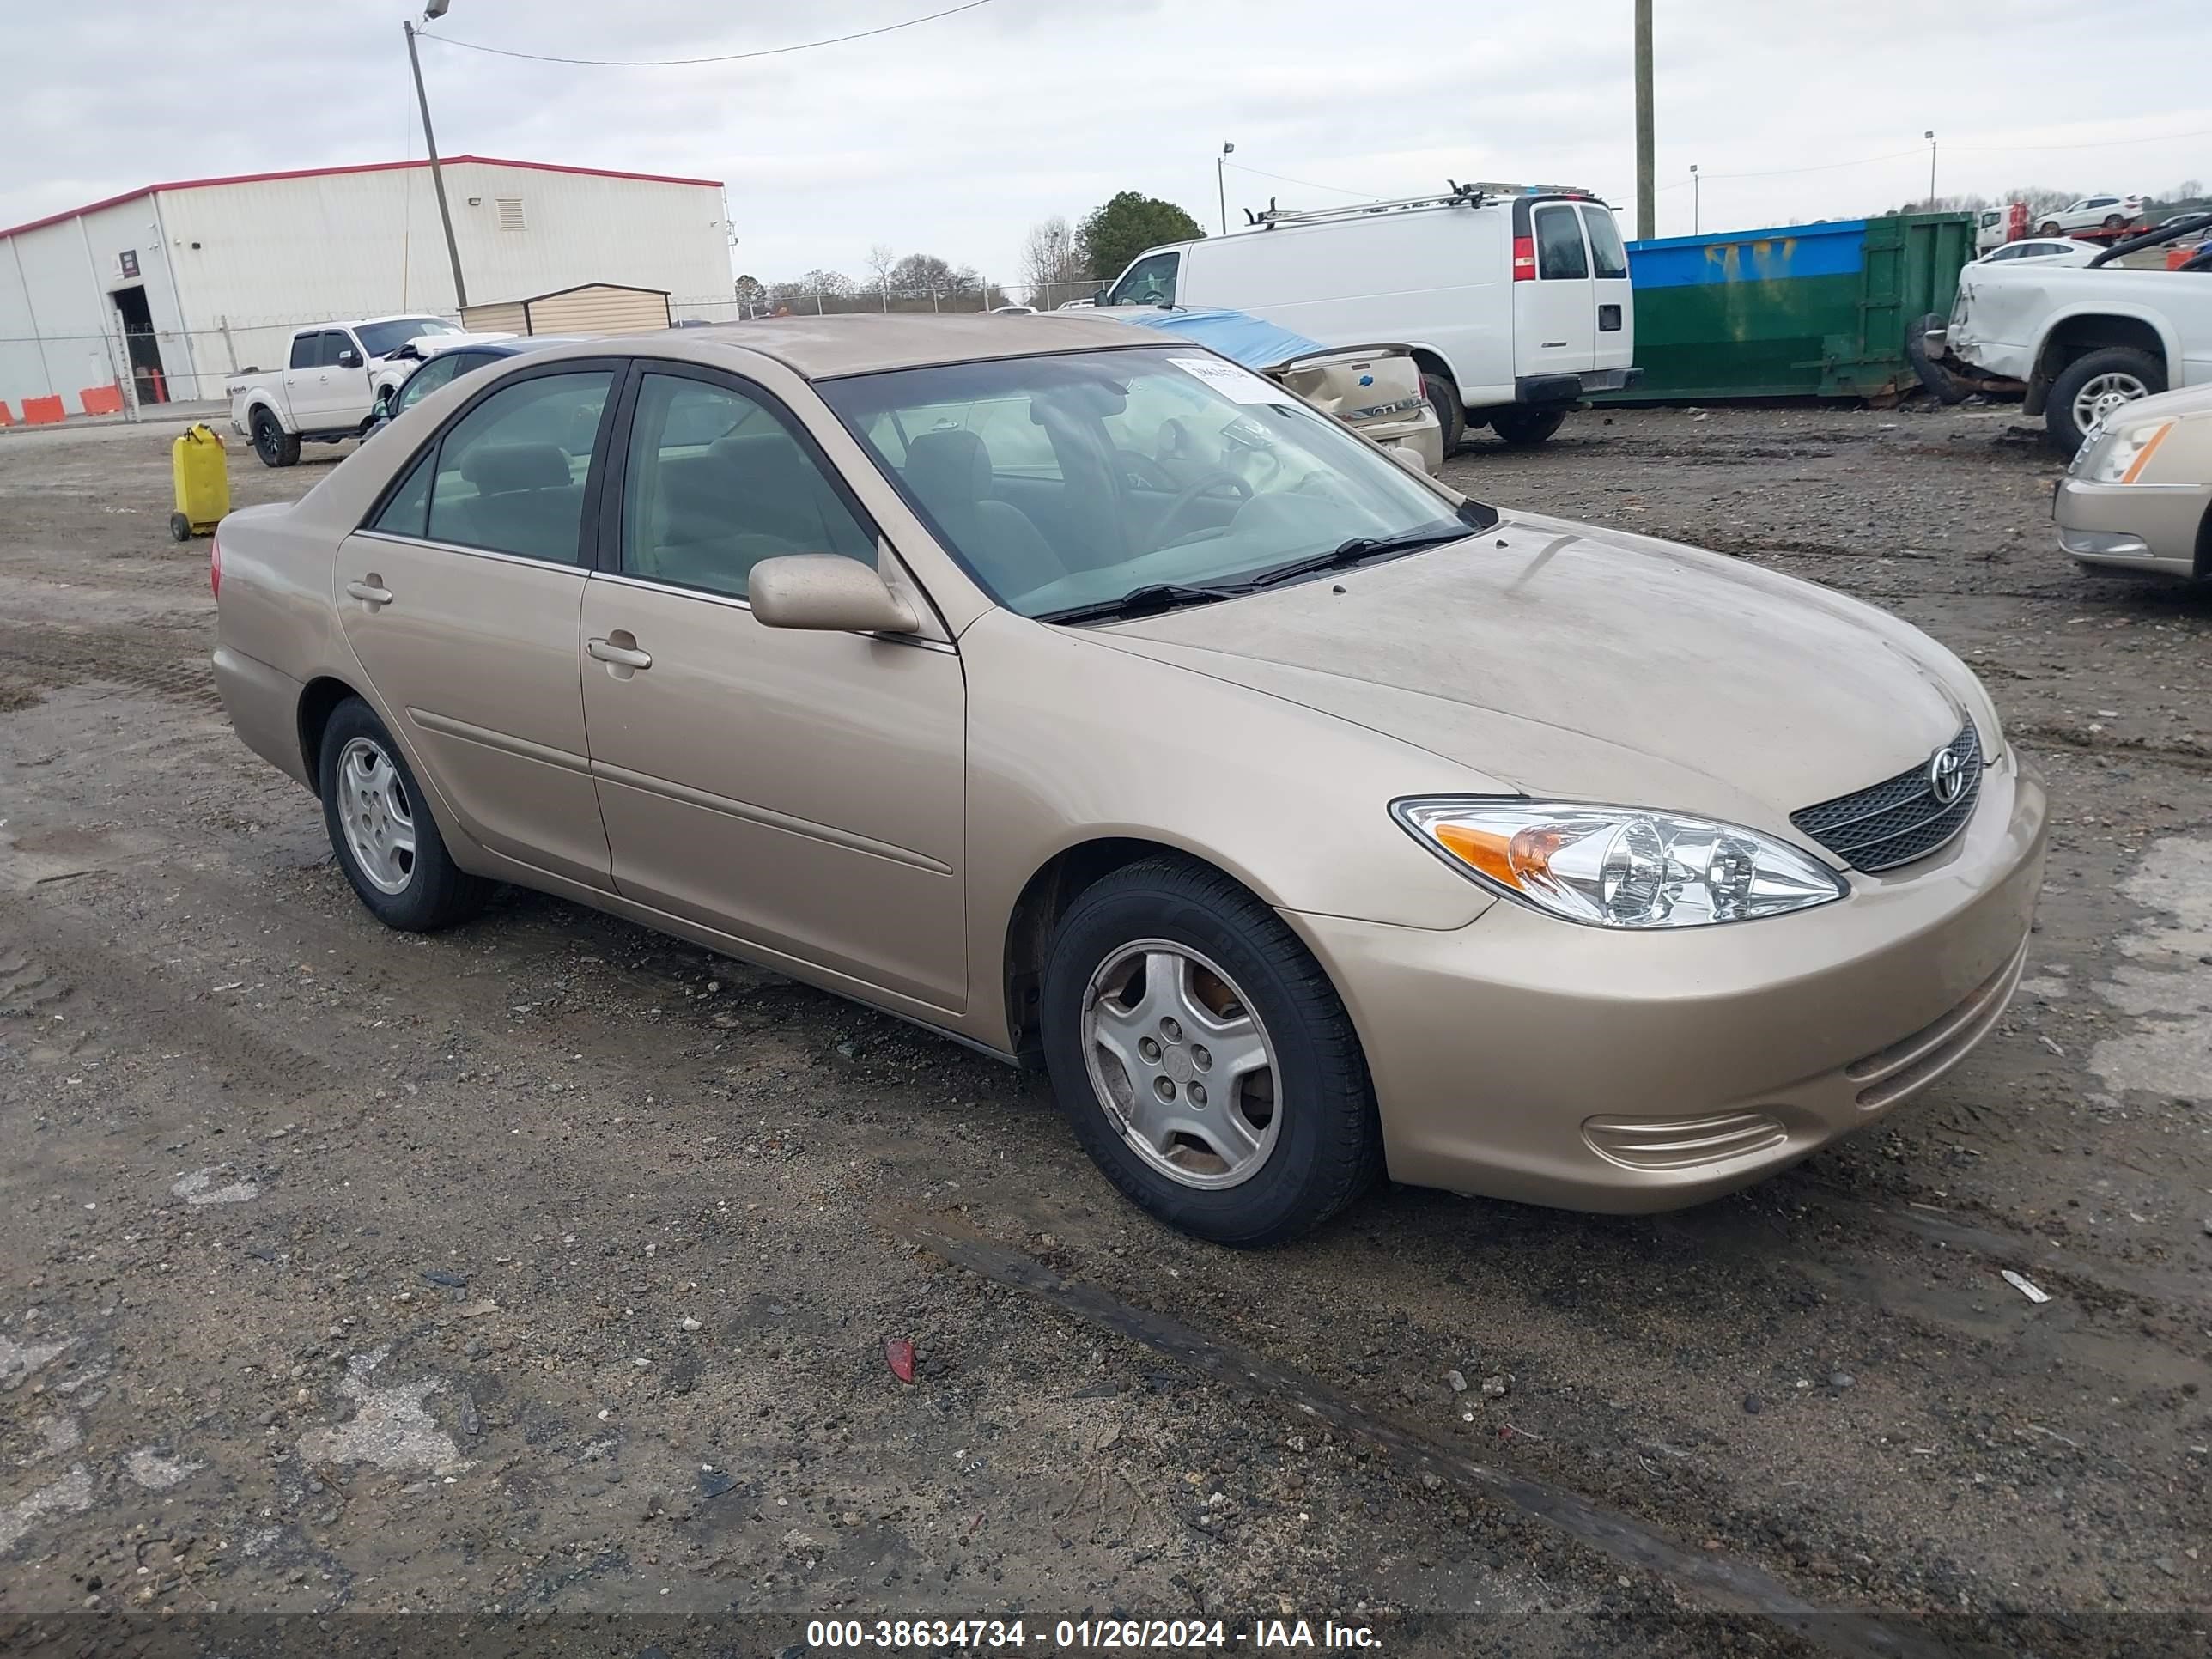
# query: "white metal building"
{"points": [[176, 286]]}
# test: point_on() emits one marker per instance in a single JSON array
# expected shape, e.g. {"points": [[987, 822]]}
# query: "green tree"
{"points": [[1125, 227]]}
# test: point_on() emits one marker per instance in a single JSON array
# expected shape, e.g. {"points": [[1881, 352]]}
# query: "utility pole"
{"points": [[1930, 136], [437, 8], [1220, 186], [1697, 206], [1646, 191]]}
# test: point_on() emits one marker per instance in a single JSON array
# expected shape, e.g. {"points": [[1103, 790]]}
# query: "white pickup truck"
{"points": [[2083, 339], [333, 376]]}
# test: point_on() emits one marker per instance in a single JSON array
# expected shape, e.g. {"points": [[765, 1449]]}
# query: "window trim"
{"points": [[595, 477], [615, 488]]}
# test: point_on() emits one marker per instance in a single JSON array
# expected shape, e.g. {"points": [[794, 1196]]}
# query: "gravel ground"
{"points": [[546, 1267]]}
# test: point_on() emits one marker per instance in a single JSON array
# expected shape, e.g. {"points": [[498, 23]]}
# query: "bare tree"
{"points": [[1050, 259], [825, 286], [883, 259]]}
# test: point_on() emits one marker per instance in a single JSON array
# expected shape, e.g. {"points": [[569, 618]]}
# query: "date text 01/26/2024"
{"points": [[1086, 1635]]}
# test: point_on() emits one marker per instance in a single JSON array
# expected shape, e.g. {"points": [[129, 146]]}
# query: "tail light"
{"points": [[214, 565], [1524, 258]]}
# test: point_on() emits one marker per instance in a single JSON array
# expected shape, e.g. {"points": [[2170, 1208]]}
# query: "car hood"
{"points": [[1554, 659]]}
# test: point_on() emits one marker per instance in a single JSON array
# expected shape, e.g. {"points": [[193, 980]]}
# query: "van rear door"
{"points": [[1610, 287], [1554, 305]]}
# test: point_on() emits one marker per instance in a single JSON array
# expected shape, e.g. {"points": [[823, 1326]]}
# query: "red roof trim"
{"points": [[366, 167]]}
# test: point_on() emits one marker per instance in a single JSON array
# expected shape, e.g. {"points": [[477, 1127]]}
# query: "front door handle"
{"points": [[622, 656], [370, 591]]}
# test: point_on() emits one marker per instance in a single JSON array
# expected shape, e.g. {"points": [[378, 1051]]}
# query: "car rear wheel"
{"points": [[1205, 1060], [386, 840], [2113, 221], [1526, 428], [1451, 413], [2048, 228], [275, 445], [2092, 385]]}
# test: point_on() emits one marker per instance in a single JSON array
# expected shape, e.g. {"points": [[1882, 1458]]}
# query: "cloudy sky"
{"points": [[953, 137]]}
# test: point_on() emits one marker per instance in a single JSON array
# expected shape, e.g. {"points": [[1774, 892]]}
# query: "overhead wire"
{"points": [[719, 57]]}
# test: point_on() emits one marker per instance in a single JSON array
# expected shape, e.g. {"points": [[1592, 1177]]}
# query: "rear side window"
{"points": [[1559, 253], [306, 350], [511, 471], [403, 515], [1607, 257]]}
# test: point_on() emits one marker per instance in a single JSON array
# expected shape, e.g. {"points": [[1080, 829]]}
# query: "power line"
{"points": [[2094, 144], [1309, 184], [725, 57]]}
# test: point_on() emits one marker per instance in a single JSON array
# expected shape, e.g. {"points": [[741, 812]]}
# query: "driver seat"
{"points": [[950, 472]]}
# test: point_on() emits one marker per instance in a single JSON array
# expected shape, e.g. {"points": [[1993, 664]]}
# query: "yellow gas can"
{"points": [[201, 477]]}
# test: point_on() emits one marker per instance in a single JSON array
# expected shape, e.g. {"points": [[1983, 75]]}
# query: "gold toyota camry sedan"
{"points": [[1089, 699]]}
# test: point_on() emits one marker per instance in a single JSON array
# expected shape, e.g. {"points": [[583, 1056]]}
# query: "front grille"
{"points": [[1898, 819]]}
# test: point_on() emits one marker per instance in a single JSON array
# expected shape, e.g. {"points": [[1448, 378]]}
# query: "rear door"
{"points": [[462, 597], [1609, 288], [1555, 312], [304, 379]]}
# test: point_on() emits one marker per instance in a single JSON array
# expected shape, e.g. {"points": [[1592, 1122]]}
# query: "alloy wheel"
{"points": [[379, 818]]}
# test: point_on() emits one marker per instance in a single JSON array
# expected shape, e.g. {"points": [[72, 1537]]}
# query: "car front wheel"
{"points": [[1207, 1063], [381, 830], [2093, 387]]}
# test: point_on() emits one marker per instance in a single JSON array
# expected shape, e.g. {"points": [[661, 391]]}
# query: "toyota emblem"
{"points": [[1947, 777]]}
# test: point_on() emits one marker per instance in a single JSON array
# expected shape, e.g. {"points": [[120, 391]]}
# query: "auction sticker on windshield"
{"points": [[1229, 380]]}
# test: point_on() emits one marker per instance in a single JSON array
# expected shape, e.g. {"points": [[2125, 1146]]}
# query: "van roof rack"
{"points": [[1458, 195]]}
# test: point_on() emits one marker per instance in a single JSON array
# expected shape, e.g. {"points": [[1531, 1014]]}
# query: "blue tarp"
{"points": [[1239, 337]]}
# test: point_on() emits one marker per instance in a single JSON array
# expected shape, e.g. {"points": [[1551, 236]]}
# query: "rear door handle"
{"points": [[370, 592], [622, 656]]}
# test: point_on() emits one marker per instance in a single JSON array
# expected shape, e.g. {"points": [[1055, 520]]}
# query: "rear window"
{"points": [[1607, 257], [1560, 256]]}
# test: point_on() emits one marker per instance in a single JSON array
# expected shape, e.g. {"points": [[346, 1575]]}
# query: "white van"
{"points": [[1516, 301]]}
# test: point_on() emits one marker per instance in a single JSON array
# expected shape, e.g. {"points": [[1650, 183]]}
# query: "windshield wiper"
{"points": [[1357, 550], [1151, 598]]}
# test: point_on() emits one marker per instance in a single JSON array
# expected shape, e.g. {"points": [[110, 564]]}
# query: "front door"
{"points": [[1555, 317], [462, 598], [800, 792]]}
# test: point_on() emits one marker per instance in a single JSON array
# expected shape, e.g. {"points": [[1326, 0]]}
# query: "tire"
{"points": [[2049, 228], [1524, 429], [2115, 369], [275, 445], [1451, 413], [2113, 221], [180, 527], [1941, 382], [431, 890], [1320, 1144]]}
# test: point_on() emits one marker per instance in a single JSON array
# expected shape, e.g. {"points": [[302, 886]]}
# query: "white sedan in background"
{"points": [[2058, 249]]}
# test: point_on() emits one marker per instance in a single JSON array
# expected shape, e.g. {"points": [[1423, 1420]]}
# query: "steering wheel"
{"points": [[1136, 464], [1181, 504]]}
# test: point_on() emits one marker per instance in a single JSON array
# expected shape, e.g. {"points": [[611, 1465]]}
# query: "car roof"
{"points": [[824, 348], [522, 342]]}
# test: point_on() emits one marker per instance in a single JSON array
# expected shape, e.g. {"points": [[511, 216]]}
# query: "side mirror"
{"points": [[826, 592], [349, 359]]}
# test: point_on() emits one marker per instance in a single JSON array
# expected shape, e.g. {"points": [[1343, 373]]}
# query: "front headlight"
{"points": [[1618, 866], [2118, 458]]}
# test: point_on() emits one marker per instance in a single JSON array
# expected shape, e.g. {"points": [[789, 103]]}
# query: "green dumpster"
{"points": [[1795, 311]]}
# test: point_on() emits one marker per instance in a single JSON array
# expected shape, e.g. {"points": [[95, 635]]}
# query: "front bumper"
{"points": [[1526, 1058], [2152, 528]]}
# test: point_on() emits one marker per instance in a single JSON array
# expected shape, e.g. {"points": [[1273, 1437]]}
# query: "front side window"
{"points": [[1607, 257], [336, 344], [428, 379], [1170, 466], [1559, 253], [1149, 282], [716, 481], [511, 472]]}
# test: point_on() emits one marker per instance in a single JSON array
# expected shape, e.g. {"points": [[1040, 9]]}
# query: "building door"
{"points": [[145, 351]]}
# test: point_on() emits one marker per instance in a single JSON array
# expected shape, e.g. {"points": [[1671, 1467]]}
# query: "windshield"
{"points": [[382, 339], [1073, 480]]}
